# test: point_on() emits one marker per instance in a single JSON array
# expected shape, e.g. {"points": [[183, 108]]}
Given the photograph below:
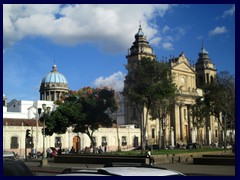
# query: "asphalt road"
{"points": [[186, 168]]}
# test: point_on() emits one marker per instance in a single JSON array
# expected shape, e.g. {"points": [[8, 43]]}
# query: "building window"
{"points": [[124, 140], [207, 78], [58, 142], [104, 141], [52, 96], [14, 142], [153, 133], [211, 79]]}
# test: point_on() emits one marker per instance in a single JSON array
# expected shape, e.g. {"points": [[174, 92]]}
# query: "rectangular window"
{"points": [[14, 142], [124, 140], [52, 96], [58, 142], [104, 141], [153, 133]]}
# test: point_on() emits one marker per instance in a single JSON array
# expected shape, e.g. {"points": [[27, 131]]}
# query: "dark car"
{"points": [[15, 168], [193, 146]]}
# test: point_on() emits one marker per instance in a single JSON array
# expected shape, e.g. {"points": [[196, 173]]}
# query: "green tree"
{"points": [[148, 82], [163, 97], [218, 100], [219, 97], [85, 110]]}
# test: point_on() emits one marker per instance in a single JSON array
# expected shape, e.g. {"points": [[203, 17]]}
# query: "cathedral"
{"points": [[179, 126]]}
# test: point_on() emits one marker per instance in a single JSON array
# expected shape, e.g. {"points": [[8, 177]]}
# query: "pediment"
{"points": [[183, 67]]}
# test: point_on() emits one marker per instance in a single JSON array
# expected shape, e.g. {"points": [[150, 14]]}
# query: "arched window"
{"points": [[207, 78], [211, 79]]}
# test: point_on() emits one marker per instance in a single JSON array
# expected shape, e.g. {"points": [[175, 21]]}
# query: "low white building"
{"points": [[20, 115]]}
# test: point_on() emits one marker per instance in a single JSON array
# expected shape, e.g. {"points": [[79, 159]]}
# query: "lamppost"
{"points": [[118, 139], [44, 161]]}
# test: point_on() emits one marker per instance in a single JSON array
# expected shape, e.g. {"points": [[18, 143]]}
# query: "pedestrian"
{"points": [[59, 150], [150, 157], [72, 150], [48, 152]]}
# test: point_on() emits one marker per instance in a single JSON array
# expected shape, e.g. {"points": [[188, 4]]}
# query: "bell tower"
{"points": [[205, 69], [140, 49]]}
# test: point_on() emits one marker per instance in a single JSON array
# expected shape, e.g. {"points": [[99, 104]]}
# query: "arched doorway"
{"points": [[76, 143]]}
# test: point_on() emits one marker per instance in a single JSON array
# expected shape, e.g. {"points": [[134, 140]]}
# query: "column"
{"points": [[189, 124], [180, 122], [172, 137], [193, 134]]}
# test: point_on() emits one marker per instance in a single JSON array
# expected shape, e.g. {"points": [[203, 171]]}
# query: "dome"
{"points": [[140, 32], [54, 77], [203, 51]]}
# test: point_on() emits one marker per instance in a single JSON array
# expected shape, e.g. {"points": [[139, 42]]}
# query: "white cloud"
{"points": [[167, 46], [229, 12], [218, 30], [115, 81], [75, 24], [165, 29], [155, 41]]}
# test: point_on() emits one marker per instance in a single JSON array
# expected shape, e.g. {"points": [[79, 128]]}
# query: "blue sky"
{"points": [[89, 43]]}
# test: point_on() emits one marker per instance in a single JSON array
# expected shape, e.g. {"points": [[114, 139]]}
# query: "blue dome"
{"points": [[54, 77]]}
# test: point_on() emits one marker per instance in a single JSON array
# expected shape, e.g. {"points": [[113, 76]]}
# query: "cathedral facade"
{"points": [[179, 126]]}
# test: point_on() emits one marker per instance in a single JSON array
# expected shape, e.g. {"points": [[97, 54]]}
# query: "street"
{"points": [[186, 168]]}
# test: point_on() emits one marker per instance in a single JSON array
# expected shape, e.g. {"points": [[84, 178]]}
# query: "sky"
{"points": [[89, 43]]}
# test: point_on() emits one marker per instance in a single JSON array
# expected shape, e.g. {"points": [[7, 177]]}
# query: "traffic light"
{"points": [[29, 142], [28, 133]]}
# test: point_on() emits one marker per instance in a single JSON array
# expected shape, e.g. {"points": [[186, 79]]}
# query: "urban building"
{"points": [[179, 126], [21, 115]]}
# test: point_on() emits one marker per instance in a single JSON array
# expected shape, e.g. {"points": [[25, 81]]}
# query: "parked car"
{"points": [[8, 155], [16, 168], [193, 146], [121, 169]]}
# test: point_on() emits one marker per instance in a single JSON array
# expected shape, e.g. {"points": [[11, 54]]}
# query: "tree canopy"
{"points": [[219, 96], [148, 84], [84, 110]]}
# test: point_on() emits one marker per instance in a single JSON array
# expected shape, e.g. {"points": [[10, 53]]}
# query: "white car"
{"points": [[121, 170], [8, 155]]}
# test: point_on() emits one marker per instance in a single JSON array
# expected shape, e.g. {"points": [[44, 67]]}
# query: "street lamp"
{"points": [[44, 161], [118, 139]]}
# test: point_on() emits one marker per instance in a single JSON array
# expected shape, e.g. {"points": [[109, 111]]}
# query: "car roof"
{"points": [[8, 154], [139, 171], [120, 171]]}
